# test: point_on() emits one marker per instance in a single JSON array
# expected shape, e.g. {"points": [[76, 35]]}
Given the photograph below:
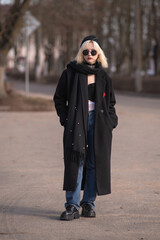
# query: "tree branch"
{"points": [[12, 24]]}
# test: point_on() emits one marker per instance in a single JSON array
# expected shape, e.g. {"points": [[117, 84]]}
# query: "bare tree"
{"points": [[112, 21], [10, 25]]}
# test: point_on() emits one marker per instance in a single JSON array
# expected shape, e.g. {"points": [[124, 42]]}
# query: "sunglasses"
{"points": [[86, 52]]}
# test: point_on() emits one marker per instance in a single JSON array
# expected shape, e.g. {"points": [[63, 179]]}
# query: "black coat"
{"points": [[105, 120]]}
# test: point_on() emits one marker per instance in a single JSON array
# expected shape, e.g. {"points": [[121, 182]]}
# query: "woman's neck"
{"points": [[90, 65]]}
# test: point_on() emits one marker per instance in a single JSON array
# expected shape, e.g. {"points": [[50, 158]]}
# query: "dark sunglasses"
{"points": [[86, 52]]}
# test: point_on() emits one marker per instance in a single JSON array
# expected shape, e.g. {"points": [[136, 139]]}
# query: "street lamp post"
{"points": [[30, 25]]}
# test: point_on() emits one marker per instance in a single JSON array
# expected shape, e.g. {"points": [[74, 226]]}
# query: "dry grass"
{"points": [[18, 102]]}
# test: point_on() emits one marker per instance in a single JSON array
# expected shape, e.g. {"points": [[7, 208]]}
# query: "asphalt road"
{"points": [[36, 88], [31, 177]]}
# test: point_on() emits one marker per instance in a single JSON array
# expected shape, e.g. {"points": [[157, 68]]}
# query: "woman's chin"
{"points": [[90, 61]]}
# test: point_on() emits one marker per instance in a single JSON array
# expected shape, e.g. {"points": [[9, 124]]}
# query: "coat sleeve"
{"points": [[60, 98], [112, 110]]}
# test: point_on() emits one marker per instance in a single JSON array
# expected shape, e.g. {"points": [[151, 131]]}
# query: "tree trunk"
{"points": [[2, 89], [9, 29], [2, 71], [37, 57], [138, 47]]}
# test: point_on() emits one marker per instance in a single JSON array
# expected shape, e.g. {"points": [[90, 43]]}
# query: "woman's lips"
{"points": [[89, 58]]}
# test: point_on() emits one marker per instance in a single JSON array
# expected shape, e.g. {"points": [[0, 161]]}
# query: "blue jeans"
{"points": [[90, 189]]}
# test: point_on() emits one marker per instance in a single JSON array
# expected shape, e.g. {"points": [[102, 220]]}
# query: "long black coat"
{"points": [[105, 120]]}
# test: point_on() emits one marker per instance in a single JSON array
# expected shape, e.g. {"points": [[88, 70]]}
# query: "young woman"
{"points": [[84, 101]]}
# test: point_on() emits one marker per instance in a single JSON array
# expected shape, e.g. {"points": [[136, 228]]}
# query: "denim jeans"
{"points": [[90, 189]]}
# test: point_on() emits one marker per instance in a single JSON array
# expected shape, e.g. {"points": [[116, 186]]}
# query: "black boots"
{"points": [[72, 213], [87, 211]]}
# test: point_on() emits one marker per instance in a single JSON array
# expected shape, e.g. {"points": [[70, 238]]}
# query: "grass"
{"points": [[14, 101]]}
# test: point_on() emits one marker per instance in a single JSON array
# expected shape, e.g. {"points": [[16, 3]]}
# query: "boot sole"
{"points": [[88, 216]]}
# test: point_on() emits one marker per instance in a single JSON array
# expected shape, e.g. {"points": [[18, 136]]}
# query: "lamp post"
{"points": [[30, 25]]}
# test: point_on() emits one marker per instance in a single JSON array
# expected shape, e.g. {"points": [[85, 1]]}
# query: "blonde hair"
{"points": [[101, 56]]}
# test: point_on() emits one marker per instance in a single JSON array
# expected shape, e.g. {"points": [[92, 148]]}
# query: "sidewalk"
{"points": [[31, 177]]}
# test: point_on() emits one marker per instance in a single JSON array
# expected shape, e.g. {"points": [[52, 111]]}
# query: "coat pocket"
{"points": [[107, 119]]}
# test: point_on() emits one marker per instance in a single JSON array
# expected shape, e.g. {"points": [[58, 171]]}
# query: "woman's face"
{"points": [[89, 58]]}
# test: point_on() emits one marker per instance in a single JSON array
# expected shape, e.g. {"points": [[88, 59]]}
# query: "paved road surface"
{"points": [[37, 88], [31, 177]]}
